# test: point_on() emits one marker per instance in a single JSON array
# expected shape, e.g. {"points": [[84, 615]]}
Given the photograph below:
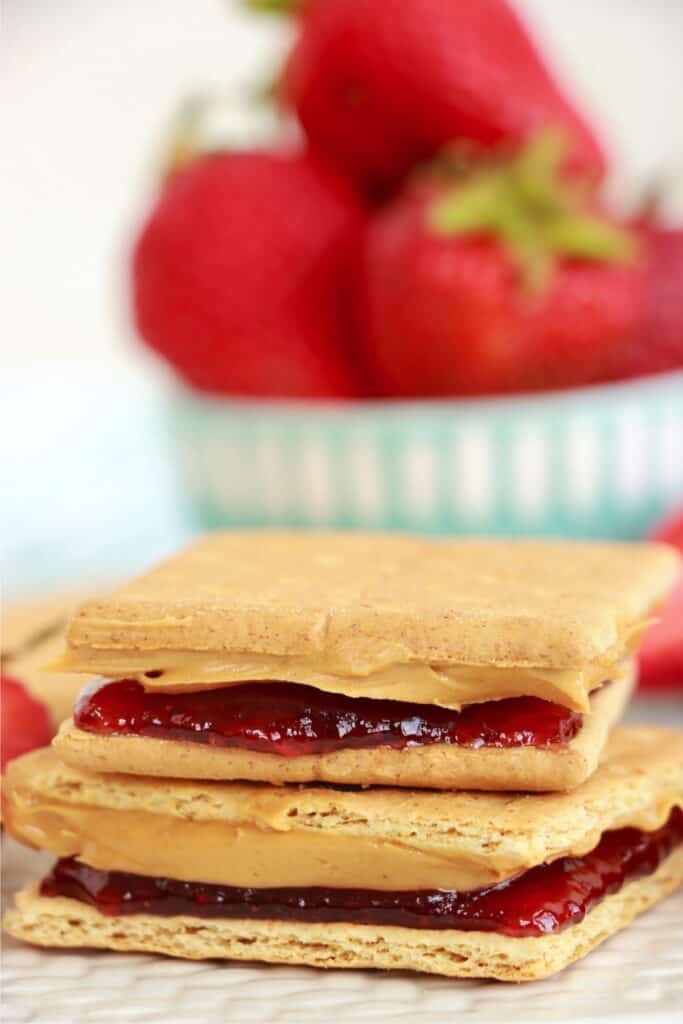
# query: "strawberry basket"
{"points": [[591, 462], [417, 264]]}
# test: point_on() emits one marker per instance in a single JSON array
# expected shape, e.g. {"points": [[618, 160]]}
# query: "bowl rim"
{"points": [[540, 402]]}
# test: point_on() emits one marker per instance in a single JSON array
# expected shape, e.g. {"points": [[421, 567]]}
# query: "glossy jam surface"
{"points": [[544, 899], [289, 719]]}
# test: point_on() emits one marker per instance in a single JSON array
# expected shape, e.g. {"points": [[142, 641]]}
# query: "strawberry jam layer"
{"points": [[291, 720], [545, 899]]}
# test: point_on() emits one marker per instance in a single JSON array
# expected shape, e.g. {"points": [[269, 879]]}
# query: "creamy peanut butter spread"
{"points": [[248, 834], [253, 854], [239, 855], [445, 685]]}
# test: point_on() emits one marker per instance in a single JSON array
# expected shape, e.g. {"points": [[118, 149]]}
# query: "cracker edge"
{"points": [[431, 766], [129, 619], [640, 778], [62, 922]]}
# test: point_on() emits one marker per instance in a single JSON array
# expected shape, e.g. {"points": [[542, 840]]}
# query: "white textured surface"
{"points": [[636, 976]]}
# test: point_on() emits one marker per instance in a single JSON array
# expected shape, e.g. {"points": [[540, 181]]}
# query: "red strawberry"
{"points": [[25, 721], [379, 86], [658, 345], [502, 282], [661, 654], [240, 275]]}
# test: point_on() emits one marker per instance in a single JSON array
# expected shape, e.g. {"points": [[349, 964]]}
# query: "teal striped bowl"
{"points": [[591, 462]]}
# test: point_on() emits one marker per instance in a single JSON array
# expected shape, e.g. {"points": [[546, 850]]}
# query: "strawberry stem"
{"points": [[184, 135], [273, 6], [537, 215]]}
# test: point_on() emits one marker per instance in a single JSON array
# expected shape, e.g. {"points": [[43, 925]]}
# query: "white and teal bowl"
{"points": [[591, 462]]}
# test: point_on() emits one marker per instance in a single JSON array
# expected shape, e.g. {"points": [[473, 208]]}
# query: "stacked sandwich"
{"points": [[358, 751]]}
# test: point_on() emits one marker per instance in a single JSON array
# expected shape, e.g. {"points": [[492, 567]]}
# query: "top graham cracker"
{"points": [[383, 599]]}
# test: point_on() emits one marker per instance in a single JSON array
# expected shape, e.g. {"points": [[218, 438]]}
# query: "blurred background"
{"points": [[107, 465]]}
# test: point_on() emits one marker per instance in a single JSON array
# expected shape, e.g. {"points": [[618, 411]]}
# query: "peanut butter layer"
{"points": [[400, 617], [434, 765], [449, 686], [259, 835]]}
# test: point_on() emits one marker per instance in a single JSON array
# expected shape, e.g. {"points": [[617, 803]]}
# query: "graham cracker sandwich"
{"points": [[364, 660], [465, 884]]}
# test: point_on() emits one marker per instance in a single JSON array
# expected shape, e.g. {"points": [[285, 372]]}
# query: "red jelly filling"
{"points": [[545, 899], [290, 719]]}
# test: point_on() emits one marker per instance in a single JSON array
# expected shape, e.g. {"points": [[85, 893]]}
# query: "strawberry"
{"points": [[658, 344], [25, 722], [661, 653], [379, 86], [502, 281], [240, 276]]}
